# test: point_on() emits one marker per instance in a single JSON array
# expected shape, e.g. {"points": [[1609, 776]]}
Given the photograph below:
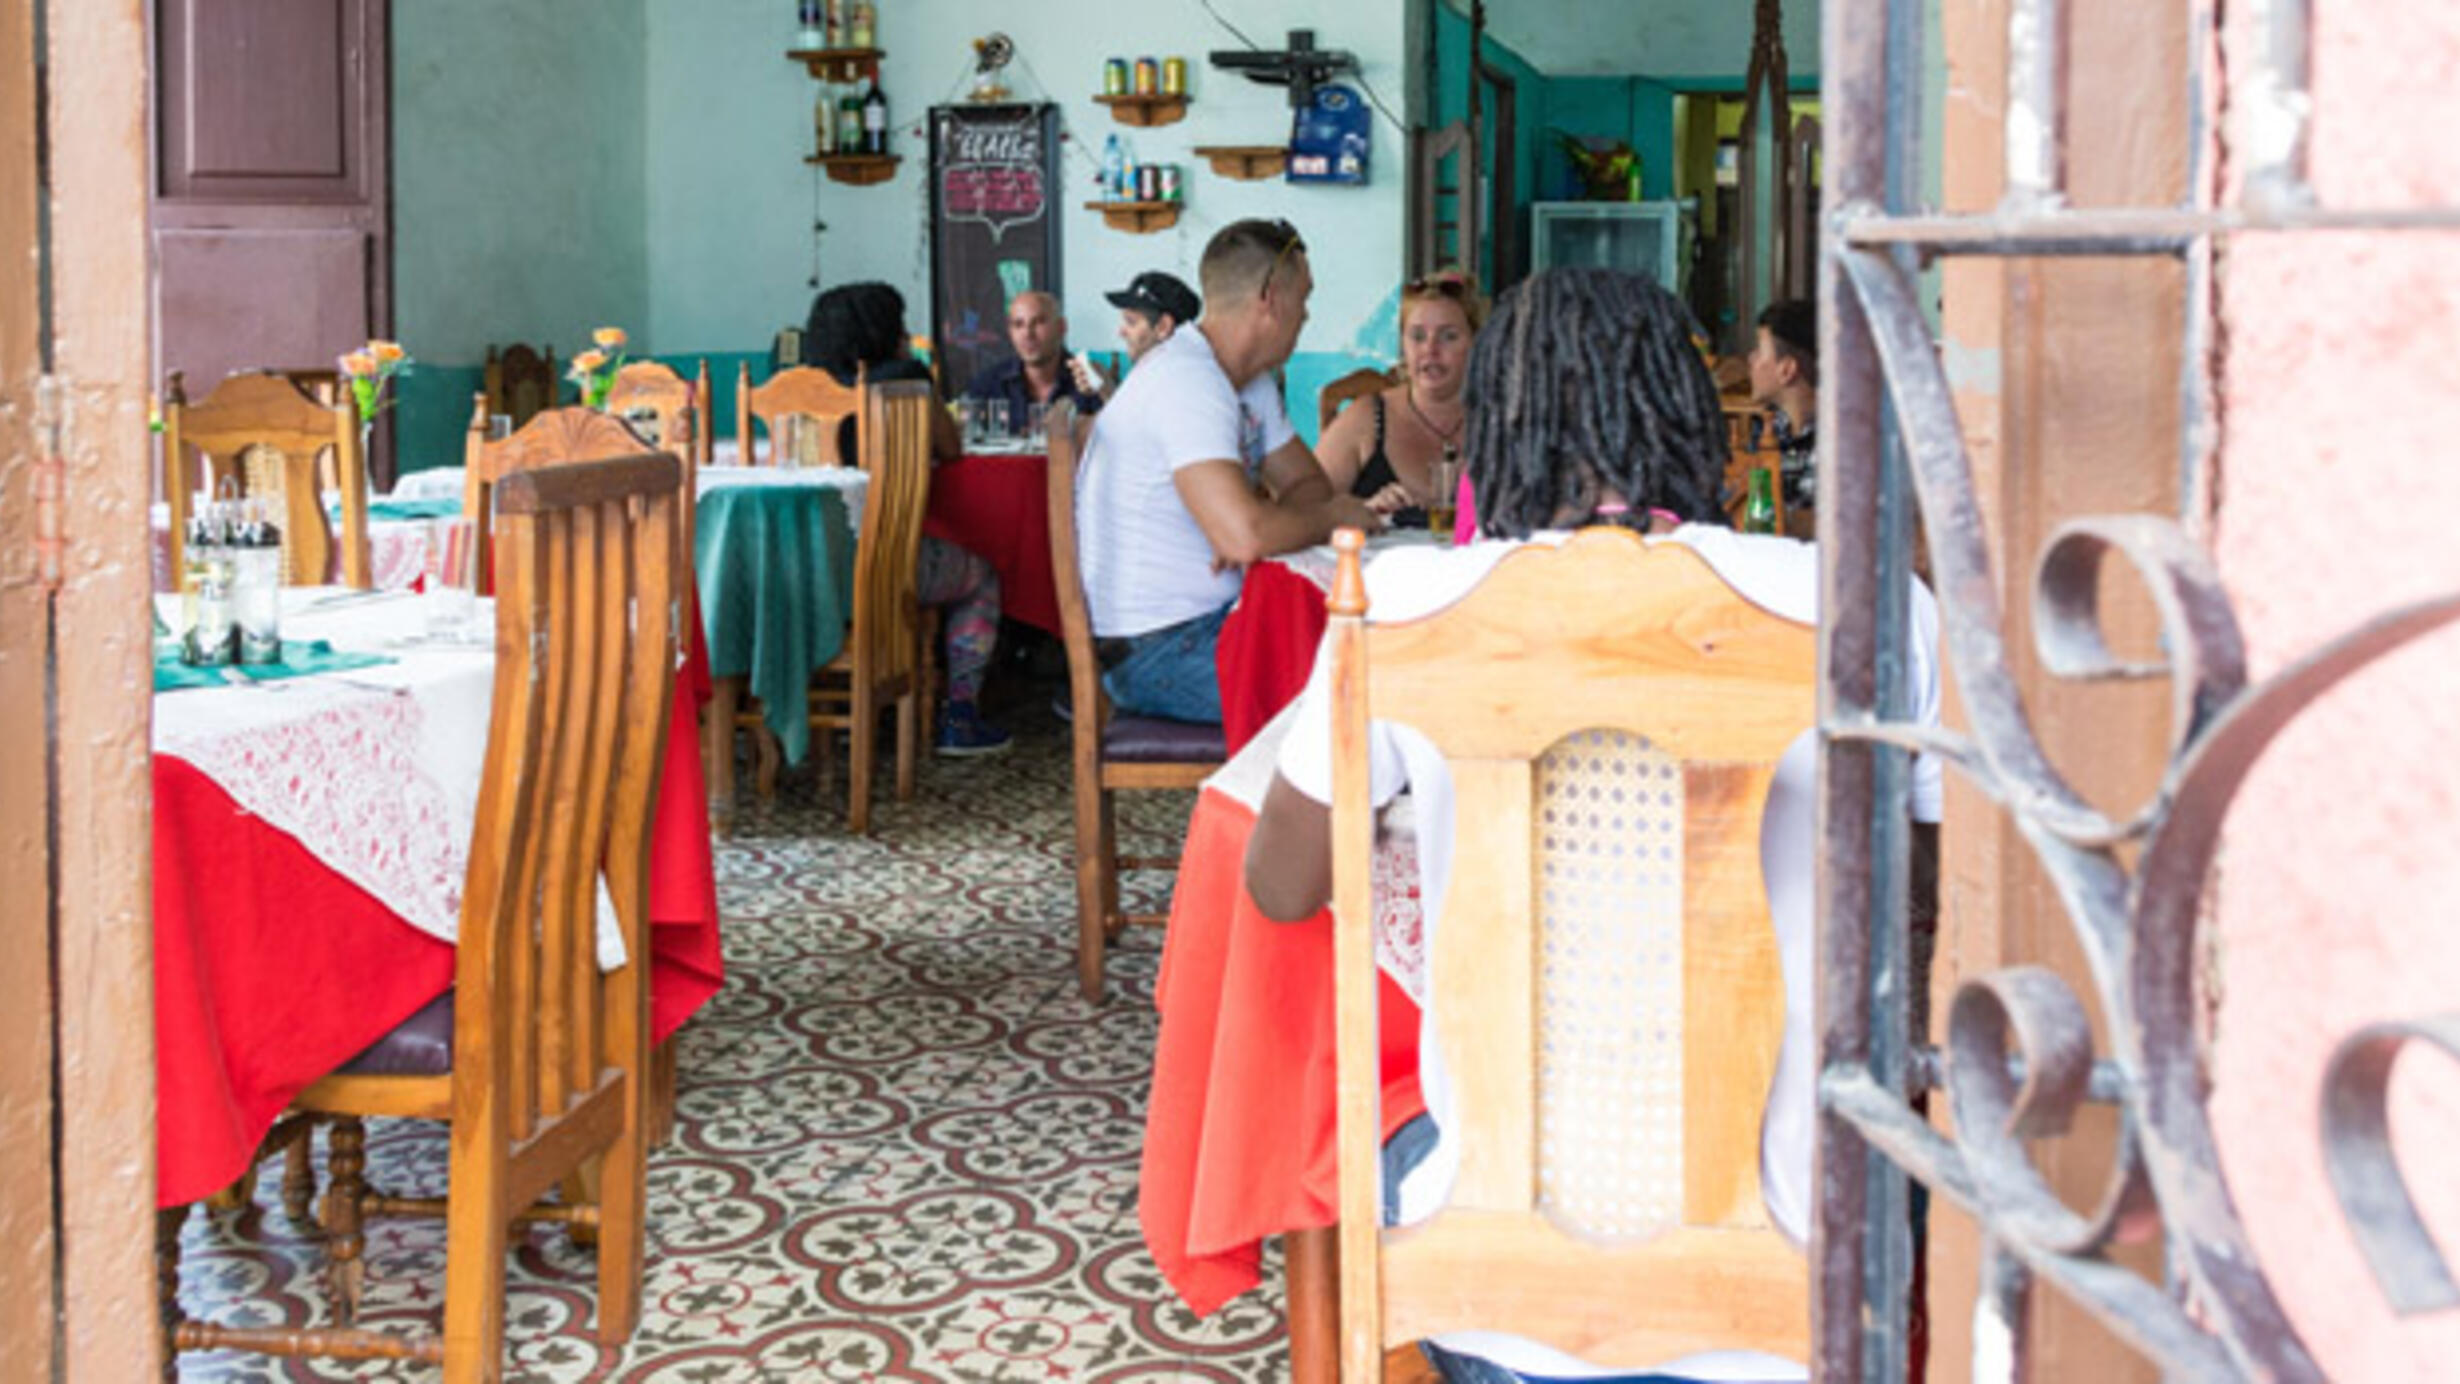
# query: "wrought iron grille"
{"points": [[2018, 1058]]}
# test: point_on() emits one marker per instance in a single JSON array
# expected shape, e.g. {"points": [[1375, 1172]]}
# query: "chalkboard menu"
{"points": [[994, 226]]}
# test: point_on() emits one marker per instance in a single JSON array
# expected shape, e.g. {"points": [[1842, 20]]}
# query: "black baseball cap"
{"points": [[1159, 294]]}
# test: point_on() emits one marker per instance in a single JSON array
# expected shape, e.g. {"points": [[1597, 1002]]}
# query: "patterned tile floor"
{"points": [[906, 1148]]}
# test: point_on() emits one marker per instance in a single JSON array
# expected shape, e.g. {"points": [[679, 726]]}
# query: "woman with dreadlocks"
{"points": [[1587, 406], [858, 330]]}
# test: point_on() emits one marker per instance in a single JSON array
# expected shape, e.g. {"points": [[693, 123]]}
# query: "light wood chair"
{"points": [[520, 383], [1358, 384], [811, 396], [264, 433], [881, 665], [1110, 753], [537, 1057], [1611, 715], [557, 436], [648, 389]]}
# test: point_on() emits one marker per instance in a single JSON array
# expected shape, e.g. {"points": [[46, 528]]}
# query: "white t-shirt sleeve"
{"points": [[1204, 422]]}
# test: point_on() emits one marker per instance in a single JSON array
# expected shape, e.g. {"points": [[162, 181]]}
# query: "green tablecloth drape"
{"points": [[776, 570]]}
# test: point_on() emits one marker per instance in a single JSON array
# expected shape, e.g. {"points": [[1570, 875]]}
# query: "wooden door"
{"points": [[271, 187]]}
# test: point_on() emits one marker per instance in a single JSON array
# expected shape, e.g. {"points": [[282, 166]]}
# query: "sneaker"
{"points": [[964, 732]]}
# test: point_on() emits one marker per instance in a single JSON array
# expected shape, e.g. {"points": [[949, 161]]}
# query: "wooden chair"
{"points": [[1358, 384], [647, 389], [812, 396], [265, 434], [1111, 753], [1604, 696], [552, 438], [537, 1056], [881, 664], [520, 383]]}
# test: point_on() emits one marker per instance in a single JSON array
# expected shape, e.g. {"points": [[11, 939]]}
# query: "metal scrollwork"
{"points": [[2357, 1157]]}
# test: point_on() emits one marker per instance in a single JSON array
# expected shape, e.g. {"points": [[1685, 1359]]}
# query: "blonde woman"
{"points": [[1385, 452]]}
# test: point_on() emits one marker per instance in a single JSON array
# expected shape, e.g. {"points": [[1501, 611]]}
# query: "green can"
{"points": [[1174, 76], [1115, 77]]}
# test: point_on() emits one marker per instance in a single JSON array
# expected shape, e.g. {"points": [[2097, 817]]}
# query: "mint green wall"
{"points": [[518, 192], [731, 201]]}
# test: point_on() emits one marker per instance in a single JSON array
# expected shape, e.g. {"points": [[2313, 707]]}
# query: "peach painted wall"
{"points": [[2338, 496]]}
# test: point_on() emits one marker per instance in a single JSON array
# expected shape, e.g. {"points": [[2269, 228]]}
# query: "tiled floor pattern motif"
{"points": [[906, 1149]]}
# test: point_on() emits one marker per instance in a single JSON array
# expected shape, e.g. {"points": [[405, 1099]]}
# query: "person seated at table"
{"points": [[1387, 452], [1151, 308], [1615, 425], [1784, 365], [861, 328], [1038, 372], [1193, 472]]}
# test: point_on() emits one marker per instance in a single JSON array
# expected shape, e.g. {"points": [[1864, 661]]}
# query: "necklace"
{"points": [[1450, 439]]}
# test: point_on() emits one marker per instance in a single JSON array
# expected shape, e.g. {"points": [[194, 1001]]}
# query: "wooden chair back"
{"points": [[265, 434], [895, 445], [1357, 384], [676, 411], [1611, 715], [519, 382], [553, 438], [1067, 433], [800, 392]]}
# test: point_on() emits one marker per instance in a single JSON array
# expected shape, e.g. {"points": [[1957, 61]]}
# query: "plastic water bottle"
{"points": [[1114, 170]]}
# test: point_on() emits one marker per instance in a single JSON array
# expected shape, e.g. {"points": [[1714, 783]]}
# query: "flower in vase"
{"points": [[367, 369], [609, 338], [594, 369]]}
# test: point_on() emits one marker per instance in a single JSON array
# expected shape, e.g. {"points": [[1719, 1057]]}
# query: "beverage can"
{"points": [[1148, 76], [1148, 182], [1170, 182], [1115, 77], [1174, 76]]}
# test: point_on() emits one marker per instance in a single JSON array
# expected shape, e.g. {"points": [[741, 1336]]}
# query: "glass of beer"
{"points": [[1442, 505]]}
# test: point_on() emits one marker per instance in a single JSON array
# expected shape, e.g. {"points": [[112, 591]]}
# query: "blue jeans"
{"points": [[1169, 672]]}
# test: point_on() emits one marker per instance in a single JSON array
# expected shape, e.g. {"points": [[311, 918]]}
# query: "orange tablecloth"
{"points": [[1266, 649], [270, 969], [999, 506], [1239, 1131]]}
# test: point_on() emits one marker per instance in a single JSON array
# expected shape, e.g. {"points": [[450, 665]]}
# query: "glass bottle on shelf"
{"points": [[875, 121], [824, 121], [1760, 509], [850, 122], [862, 25], [809, 31], [836, 23]]}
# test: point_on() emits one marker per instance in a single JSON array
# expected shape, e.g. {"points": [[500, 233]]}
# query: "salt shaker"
{"points": [[256, 550], [207, 593]]}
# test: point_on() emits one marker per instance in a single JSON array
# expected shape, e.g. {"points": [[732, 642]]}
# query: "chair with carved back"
{"points": [[1358, 384], [552, 438], [1611, 715], [520, 383], [1110, 753], [647, 391], [264, 434], [537, 1056], [881, 665], [817, 405]]}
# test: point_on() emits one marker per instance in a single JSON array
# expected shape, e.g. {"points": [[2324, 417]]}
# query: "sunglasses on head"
{"points": [[1289, 242], [1449, 285]]}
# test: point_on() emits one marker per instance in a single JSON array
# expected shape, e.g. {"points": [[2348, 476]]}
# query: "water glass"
{"points": [[1443, 499], [499, 427], [452, 577]]}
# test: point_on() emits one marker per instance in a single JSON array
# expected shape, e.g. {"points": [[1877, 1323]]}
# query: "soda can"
{"points": [[1148, 76], [1148, 182], [1174, 76], [1115, 77], [1170, 182]]}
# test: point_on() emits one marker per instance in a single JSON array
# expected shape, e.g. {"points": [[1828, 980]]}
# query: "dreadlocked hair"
{"points": [[854, 326], [1586, 380]]}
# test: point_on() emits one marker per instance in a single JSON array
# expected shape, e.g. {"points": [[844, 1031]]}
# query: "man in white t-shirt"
{"points": [[1193, 472]]}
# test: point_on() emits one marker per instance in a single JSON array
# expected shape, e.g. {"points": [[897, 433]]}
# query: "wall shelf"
{"points": [[1138, 218], [1155, 108], [857, 170], [1246, 162], [839, 64]]}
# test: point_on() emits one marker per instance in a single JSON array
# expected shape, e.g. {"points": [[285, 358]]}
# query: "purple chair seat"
{"points": [[1152, 740], [421, 1045]]}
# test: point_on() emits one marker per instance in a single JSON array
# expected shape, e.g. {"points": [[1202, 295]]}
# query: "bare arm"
{"points": [[1289, 855], [1246, 528], [1296, 478], [1342, 450]]}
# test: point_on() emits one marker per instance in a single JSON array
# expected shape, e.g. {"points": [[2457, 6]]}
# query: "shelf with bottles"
{"points": [[1137, 218], [1145, 109], [857, 170], [1246, 162], [839, 64]]}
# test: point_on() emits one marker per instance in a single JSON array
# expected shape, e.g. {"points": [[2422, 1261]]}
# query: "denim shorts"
{"points": [[1169, 672]]}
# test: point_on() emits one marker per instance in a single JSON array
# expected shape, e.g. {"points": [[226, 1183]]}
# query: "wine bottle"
{"points": [[824, 121], [875, 121], [850, 122], [1760, 510]]}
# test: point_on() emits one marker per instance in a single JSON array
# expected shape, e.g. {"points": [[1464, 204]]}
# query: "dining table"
{"points": [[399, 537], [310, 839]]}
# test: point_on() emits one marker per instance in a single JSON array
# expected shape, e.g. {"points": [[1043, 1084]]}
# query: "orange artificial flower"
{"points": [[588, 362], [387, 352], [611, 338], [359, 365]]}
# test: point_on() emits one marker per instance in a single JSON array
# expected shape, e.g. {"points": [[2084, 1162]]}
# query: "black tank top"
{"points": [[1378, 473]]}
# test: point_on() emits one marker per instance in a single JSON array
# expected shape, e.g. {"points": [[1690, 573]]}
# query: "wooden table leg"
{"points": [[717, 750], [1311, 1272]]}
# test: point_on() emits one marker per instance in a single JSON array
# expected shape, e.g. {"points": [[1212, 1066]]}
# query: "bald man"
{"points": [[1038, 372]]}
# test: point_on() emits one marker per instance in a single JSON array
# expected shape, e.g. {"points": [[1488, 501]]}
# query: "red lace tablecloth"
{"points": [[1239, 1131], [999, 506], [1267, 646], [270, 969]]}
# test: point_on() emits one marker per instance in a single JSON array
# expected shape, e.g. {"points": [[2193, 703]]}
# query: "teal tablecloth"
{"points": [[776, 569], [300, 658]]}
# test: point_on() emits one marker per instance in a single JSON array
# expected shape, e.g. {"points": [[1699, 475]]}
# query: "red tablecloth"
{"points": [[270, 970], [1239, 1132], [1267, 648], [999, 506]]}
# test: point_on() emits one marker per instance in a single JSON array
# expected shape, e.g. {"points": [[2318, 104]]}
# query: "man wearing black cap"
{"points": [[1151, 307]]}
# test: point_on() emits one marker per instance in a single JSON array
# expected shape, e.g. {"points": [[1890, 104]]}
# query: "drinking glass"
{"points": [[499, 426], [1443, 503], [452, 577]]}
